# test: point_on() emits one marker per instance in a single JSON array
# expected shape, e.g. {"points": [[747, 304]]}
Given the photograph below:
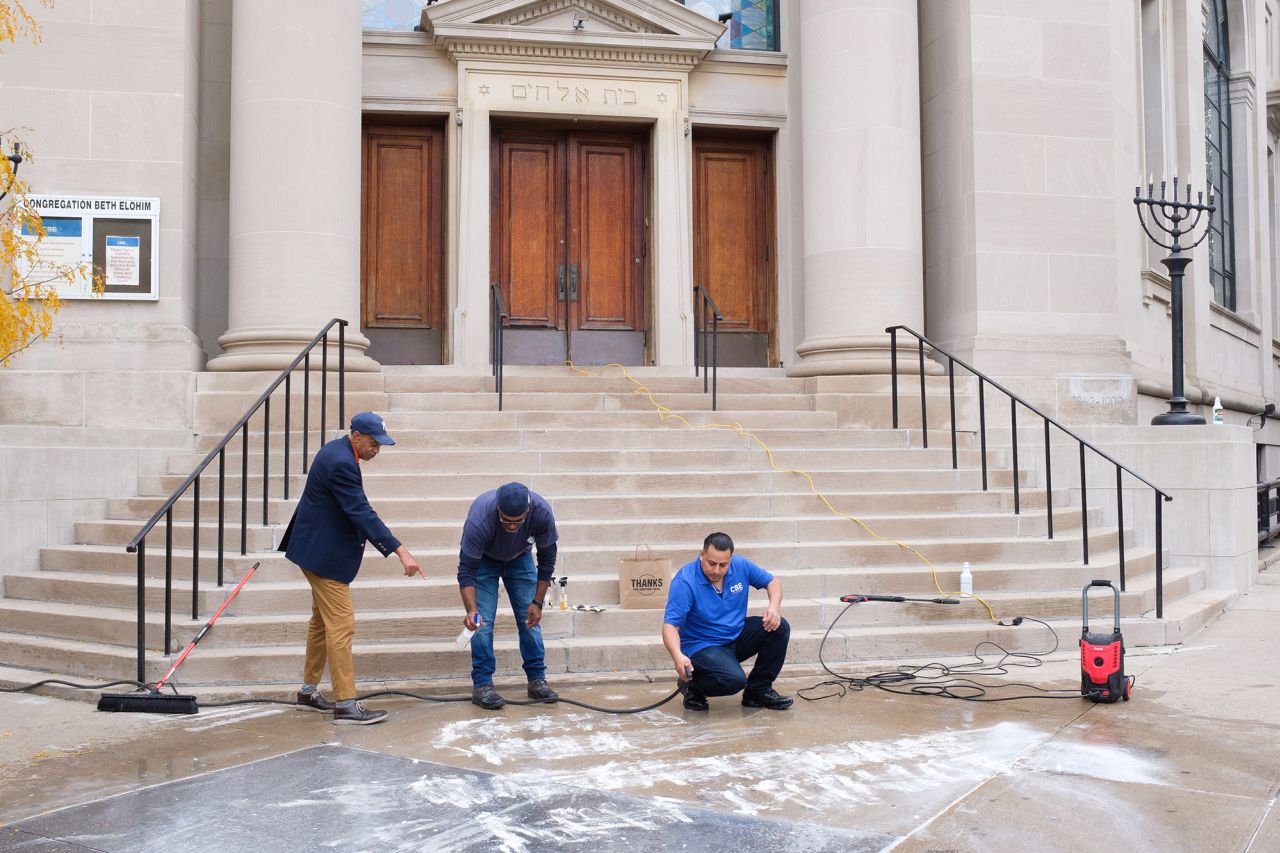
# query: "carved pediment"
{"points": [[656, 31]]}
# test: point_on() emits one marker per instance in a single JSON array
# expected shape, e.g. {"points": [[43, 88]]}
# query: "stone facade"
{"points": [[963, 167]]}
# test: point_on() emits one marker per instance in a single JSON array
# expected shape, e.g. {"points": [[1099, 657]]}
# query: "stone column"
{"points": [[294, 241], [863, 240]]}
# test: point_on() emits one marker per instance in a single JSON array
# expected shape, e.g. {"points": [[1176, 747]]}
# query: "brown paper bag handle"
{"points": [[647, 550]]}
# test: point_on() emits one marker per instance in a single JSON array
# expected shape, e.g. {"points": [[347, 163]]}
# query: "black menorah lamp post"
{"points": [[1171, 216]]}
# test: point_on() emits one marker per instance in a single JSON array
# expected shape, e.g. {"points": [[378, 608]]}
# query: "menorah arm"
{"points": [[1142, 221]]}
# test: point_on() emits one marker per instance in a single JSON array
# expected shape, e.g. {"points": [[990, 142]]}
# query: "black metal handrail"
{"points": [[712, 368], [1268, 511], [1015, 401], [138, 544], [497, 321]]}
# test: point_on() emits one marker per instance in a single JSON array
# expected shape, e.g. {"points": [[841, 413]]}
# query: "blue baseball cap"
{"points": [[367, 423], [513, 499]]}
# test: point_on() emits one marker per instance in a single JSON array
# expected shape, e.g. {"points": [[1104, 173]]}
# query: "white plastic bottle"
{"points": [[464, 638], [966, 579], [1217, 411]]}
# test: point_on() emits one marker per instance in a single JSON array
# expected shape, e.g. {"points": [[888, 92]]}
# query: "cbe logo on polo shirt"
{"points": [[735, 589]]}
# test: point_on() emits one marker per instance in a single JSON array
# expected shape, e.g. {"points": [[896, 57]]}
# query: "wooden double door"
{"points": [[568, 244]]}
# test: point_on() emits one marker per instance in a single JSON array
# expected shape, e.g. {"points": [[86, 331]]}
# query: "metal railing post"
{"points": [[342, 373], [168, 578], [1120, 523], [1159, 558], [1084, 508], [982, 430], [1048, 479], [195, 552], [924, 411], [1013, 425], [222, 509], [306, 408], [951, 384], [142, 609], [893, 372]]}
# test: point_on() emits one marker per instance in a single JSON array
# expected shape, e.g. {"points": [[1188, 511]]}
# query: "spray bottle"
{"points": [[464, 638], [966, 579], [1217, 411], [564, 593]]}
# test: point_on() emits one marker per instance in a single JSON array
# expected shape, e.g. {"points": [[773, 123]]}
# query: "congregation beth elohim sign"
{"points": [[119, 236]]}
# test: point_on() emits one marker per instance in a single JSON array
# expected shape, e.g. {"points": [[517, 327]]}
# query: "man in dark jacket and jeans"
{"points": [[495, 545], [326, 540]]}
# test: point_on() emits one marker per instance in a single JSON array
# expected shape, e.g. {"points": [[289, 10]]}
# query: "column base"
{"points": [[859, 355], [275, 347]]}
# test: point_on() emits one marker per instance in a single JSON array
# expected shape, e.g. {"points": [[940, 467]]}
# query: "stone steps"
{"points": [[657, 436], [516, 463], [605, 529], [421, 617], [288, 593], [425, 659], [387, 482], [578, 558], [619, 474], [394, 510]]}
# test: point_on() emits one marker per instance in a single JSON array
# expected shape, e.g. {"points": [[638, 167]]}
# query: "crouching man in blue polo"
{"points": [[707, 631]]}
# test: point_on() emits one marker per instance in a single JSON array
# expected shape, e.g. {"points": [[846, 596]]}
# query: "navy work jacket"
{"points": [[328, 530]]}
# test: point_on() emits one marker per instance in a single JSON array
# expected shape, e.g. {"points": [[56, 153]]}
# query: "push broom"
{"points": [[151, 700]]}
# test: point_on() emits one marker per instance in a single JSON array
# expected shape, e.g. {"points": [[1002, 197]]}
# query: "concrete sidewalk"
{"points": [[1192, 763]]}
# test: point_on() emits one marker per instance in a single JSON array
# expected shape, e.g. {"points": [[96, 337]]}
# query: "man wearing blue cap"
{"points": [[495, 544], [326, 539]]}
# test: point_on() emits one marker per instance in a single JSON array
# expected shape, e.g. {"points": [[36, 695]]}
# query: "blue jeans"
{"points": [[717, 671], [520, 578]]}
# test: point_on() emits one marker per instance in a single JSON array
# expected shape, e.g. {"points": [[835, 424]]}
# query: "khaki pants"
{"points": [[333, 625]]}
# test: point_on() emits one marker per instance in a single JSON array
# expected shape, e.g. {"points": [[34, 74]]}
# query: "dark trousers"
{"points": [[717, 671]]}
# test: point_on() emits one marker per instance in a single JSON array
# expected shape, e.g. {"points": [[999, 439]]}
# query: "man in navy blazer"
{"points": [[325, 538]]}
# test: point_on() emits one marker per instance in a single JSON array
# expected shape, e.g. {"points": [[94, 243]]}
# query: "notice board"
{"points": [[119, 236]]}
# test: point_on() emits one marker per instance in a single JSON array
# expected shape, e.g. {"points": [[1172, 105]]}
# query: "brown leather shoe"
{"points": [[314, 701]]}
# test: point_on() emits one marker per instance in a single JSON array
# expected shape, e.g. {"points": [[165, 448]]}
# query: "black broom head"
{"points": [[148, 702]]}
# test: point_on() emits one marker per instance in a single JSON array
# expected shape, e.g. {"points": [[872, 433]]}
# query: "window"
{"points": [[753, 24], [1217, 150], [392, 14]]}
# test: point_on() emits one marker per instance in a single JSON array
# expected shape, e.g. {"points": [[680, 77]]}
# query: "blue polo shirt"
{"points": [[706, 617]]}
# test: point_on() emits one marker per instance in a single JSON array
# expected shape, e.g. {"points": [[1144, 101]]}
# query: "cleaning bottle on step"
{"points": [[1217, 411], [564, 593], [966, 579]]}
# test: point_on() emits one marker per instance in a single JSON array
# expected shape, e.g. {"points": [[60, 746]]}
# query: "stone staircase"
{"points": [[619, 477]]}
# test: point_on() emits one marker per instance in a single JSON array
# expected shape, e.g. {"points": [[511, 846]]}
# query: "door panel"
{"points": [[603, 239], [402, 227], [530, 245], [732, 240]]}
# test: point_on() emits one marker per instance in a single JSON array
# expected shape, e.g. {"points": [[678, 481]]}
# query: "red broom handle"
{"points": [[198, 637]]}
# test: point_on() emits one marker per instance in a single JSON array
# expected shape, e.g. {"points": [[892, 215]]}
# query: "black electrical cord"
{"points": [[425, 698], [938, 679], [26, 687], [144, 688]]}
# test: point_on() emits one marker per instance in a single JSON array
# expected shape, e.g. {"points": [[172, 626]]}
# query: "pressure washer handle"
{"points": [[1084, 602]]}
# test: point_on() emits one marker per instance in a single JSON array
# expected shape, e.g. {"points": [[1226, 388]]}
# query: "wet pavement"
{"points": [[1192, 763]]}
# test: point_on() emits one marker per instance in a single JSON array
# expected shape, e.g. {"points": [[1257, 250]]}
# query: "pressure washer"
{"points": [[1102, 676]]}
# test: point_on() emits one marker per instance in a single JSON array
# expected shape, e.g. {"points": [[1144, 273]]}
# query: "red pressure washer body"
{"points": [[1102, 676]]}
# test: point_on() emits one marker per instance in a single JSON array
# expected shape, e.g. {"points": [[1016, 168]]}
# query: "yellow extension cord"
{"points": [[665, 413]]}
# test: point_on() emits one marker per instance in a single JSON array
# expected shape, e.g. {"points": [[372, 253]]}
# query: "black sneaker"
{"points": [[538, 689], [314, 701], [693, 700], [356, 714], [487, 697], [768, 698]]}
